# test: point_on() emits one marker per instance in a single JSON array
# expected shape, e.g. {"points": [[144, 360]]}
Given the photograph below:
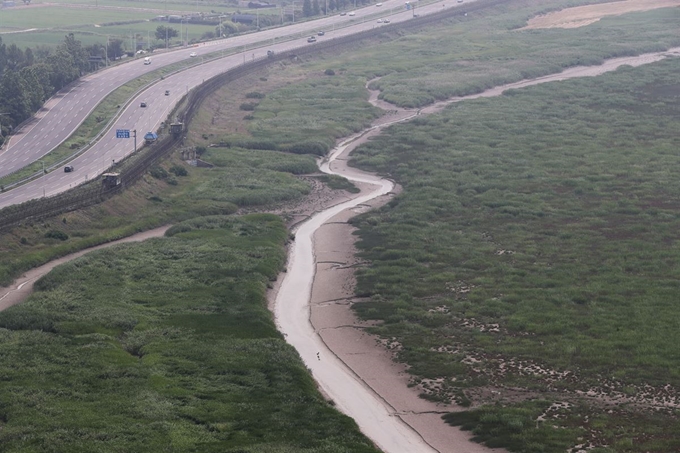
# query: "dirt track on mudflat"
{"points": [[581, 16]]}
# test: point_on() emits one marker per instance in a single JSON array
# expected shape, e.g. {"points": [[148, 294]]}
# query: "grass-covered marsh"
{"points": [[535, 247], [164, 345], [467, 54], [240, 178]]}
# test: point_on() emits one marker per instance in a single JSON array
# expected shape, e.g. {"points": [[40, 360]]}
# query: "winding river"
{"points": [[375, 417]]}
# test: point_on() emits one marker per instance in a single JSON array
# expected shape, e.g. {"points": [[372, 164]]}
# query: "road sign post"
{"points": [[122, 133]]}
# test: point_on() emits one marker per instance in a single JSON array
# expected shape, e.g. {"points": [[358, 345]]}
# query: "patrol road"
{"points": [[63, 113], [143, 119]]}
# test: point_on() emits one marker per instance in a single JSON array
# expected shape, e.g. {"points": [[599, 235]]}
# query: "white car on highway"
{"points": [[192, 54]]}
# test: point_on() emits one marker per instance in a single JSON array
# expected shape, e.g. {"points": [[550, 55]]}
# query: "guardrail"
{"points": [[135, 166]]}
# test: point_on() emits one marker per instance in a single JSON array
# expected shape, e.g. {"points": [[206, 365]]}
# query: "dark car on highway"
{"points": [[68, 169]]}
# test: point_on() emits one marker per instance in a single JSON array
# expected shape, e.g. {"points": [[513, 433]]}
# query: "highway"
{"points": [[65, 113]]}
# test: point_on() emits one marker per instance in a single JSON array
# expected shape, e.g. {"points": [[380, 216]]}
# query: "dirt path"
{"points": [[22, 287]]}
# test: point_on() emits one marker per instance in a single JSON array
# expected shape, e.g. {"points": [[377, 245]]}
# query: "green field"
{"points": [[537, 236], [531, 256], [164, 346], [532, 250], [45, 25]]}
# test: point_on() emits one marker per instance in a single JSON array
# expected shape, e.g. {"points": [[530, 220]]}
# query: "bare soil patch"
{"points": [[581, 16]]}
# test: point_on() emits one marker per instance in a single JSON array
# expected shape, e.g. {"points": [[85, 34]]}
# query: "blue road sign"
{"points": [[122, 133]]}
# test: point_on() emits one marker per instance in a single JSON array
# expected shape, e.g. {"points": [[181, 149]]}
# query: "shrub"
{"points": [[178, 170], [329, 72], [255, 95], [56, 234], [309, 147], [248, 106], [158, 173]]}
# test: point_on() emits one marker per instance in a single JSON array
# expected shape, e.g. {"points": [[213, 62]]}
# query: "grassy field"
{"points": [[535, 247], [164, 346], [239, 178], [488, 51], [532, 252], [531, 258], [43, 26]]}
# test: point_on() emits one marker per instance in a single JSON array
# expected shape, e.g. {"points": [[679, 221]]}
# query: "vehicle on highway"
{"points": [[150, 137], [352, 13], [460, 1], [167, 92], [386, 21], [379, 21], [147, 60], [378, 4], [192, 54], [321, 33], [68, 169], [343, 13], [311, 39], [143, 104], [270, 53]]}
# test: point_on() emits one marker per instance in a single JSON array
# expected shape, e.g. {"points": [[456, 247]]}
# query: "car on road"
{"points": [[192, 54], [379, 21], [68, 169], [311, 39], [321, 33], [352, 13], [270, 53], [143, 104], [343, 13], [386, 21], [167, 92], [147, 60], [378, 4]]}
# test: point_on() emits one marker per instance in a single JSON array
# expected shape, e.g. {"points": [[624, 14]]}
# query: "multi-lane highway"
{"points": [[65, 113]]}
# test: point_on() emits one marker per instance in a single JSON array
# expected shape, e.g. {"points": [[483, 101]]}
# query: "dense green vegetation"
{"points": [[164, 346], [306, 117], [466, 55], [533, 232], [484, 270], [239, 178], [537, 231]]}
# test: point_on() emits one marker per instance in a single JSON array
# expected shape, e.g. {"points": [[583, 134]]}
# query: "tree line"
{"points": [[316, 7], [29, 77]]}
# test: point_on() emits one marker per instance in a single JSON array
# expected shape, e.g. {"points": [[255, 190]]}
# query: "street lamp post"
{"points": [[43, 176]]}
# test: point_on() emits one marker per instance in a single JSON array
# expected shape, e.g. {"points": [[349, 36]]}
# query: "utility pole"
{"points": [[134, 134]]}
